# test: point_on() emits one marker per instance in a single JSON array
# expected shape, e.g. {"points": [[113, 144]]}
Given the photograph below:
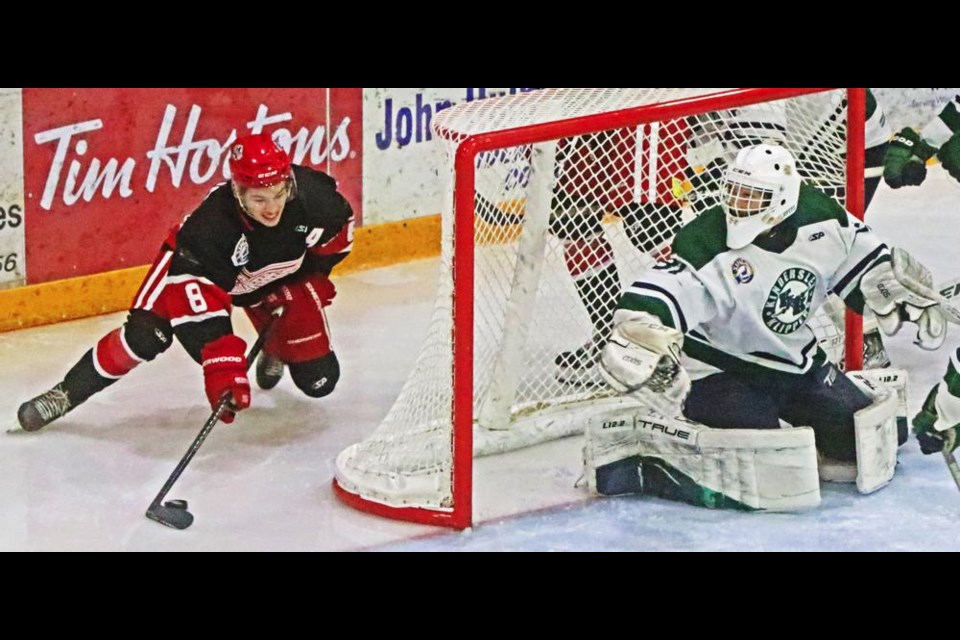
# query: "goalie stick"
{"points": [[501, 216], [948, 291], [952, 466], [490, 213], [173, 513]]}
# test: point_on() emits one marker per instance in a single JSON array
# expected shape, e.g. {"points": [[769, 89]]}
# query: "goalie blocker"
{"points": [[637, 451], [902, 289]]}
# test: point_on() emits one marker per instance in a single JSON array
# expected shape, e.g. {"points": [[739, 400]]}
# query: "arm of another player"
{"points": [[909, 150], [938, 422], [331, 249], [949, 153]]}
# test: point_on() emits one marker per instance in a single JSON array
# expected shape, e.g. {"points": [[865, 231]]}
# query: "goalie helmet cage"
{"points": [[548, 193]]}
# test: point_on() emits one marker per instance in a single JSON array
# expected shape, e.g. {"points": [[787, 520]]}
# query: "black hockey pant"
{"points": [[823, 399]]}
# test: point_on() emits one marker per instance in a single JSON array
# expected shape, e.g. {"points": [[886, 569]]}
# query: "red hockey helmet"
{"points": [[257, 161]]}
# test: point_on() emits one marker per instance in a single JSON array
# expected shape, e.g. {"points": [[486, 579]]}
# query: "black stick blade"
{"points": [[172, 513]]}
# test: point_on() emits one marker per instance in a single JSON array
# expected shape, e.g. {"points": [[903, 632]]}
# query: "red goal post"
{"points": [[418, 465]]}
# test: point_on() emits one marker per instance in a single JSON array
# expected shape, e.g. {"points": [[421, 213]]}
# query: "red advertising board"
{"points": [[109, 171]]}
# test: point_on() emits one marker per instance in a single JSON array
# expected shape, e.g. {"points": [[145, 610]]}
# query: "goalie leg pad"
{"points": [[876, 433], [896, 381], [875, 437], [826, 400], [676, 459]]}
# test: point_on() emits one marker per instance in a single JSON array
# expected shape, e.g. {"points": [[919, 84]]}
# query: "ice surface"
{"points": [[263, 483]]}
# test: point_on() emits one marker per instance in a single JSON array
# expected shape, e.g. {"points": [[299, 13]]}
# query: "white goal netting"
{"points": [[561, 225]]}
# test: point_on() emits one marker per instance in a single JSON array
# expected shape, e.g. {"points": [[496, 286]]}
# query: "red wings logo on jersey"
{"points": [[250, 281]]}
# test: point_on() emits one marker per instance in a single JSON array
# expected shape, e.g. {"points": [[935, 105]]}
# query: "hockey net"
{"points": [[558, 198]]}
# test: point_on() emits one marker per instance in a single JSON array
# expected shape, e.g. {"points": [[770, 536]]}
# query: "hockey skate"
{"points": [[269, 371], [37, 413], [579, 367]]}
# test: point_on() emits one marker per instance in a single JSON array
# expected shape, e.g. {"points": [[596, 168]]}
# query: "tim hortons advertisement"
{"points": [[108, 172], [11, 190]]}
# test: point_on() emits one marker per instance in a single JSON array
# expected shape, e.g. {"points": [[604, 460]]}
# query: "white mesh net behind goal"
{"points": [[561, 226]]}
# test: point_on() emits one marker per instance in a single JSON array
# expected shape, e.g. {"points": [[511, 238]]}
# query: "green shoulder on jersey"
{"points": [[704, 238]]}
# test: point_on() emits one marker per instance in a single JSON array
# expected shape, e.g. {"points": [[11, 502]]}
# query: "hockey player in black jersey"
{"points": [[268, 237]]}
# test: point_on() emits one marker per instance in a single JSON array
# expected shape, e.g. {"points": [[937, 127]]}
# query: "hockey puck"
{"points": [[175, 504]]}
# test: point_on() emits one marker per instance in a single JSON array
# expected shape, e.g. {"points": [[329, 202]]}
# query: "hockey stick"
{"points": [[494, 215], [173, 513], [947, 292], [952, 465]]}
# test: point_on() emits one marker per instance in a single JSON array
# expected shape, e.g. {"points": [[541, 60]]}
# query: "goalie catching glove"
{"points": [[642, 359], [900, 290]]}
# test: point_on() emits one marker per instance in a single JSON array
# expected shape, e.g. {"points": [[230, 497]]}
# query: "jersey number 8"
{"points": [[195, 297]]}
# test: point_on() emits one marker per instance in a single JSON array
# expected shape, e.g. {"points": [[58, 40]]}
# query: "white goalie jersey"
{"points": [[747, 310]]}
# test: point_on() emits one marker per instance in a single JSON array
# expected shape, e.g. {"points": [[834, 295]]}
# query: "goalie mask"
{"points": [[760, 190]]}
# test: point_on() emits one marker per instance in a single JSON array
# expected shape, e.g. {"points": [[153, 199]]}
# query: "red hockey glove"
{"points": [[323, 287], [302, 333], [315, 286], [225, 371]]}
